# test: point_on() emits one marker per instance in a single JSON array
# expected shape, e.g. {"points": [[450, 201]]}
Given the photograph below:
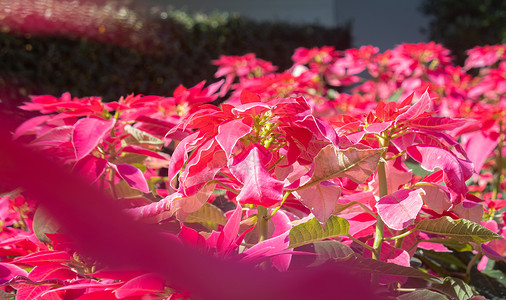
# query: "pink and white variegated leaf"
{"points": [[404, 141], [249, 108], [52, 271], [399, 209], [115, 275], [436, 197], [456, 170], [259, 187], [192, 238], [185, 205], [54, 137], [133, 176], [202, 168], [40, 273], [226, 242], [395, 256], [433, 246], [44, 258], [90, 167], [249, 97], [227, 239], [469, 210], [436, 123], [143, 151], [321, 130], [83, 284], [156, 211], [478, 147], [30, 126], [9, 271], [88, 133], [229, 133], [274, 248], [355, 164], [180, 155], [321, 199], [395, 178], [377, 127], [142, 285], [491, 253], [416, 110]]}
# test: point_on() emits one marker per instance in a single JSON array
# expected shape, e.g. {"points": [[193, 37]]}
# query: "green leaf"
{"points": [[327, 250], [395, 96], [488, 286], [208, 215], [461, 230], [497, 275], [455, 288], [312, 231], [369, 265], [445, 257], [355, 164], [422, 295], [332, 94], [416, 168]]}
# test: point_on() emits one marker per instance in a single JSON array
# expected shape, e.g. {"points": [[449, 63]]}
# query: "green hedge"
{"points": [[171, 47]]}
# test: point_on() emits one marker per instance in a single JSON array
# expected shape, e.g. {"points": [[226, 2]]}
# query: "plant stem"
{"points": [[380, 225], [274, 165], [285, 196], [224, 186], [498, 172], [111, 183], [397, 155], [397, 237], [470, 265], [405, 290], [262, 220], [360, 242], [367, 210], [352, 203], [383, 191]]}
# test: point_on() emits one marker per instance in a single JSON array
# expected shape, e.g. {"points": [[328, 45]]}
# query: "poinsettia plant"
{"points": [[389, 165]]}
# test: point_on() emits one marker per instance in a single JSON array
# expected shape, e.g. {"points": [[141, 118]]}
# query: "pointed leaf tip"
{"points": [[87, 134], [461, 230], [260, 187]]}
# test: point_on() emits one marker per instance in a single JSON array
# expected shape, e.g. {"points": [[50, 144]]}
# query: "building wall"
{"points": [[295, 11], [382, 23]]}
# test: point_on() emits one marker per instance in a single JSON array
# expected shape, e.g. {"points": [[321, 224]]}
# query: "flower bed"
{"points": [[386, 165]]}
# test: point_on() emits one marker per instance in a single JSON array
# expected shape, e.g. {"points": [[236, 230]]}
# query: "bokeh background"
{"points": [[112, 48]]}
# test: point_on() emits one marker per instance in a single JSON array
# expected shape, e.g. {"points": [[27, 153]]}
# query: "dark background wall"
{"points": [[384, 23]]}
